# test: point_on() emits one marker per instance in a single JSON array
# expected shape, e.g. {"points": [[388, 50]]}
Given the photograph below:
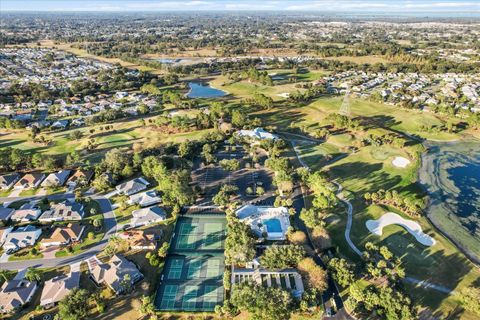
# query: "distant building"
{"points": [[16, 293], [257, 134]]}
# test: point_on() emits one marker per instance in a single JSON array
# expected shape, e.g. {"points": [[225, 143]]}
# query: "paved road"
{"points": [[58, 196], [110, 225], [332, 291]]}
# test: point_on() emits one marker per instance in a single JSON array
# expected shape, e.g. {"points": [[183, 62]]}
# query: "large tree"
{"points": [[240, 243], [262, 303], [74, 306], [281, 257]]}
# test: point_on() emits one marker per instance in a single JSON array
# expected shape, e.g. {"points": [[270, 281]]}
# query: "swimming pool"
{"points": [[273, 225]]}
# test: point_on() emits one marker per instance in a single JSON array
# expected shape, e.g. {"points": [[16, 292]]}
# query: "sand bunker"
{"points": [[400, 162], [376, 227], [284, 95]]}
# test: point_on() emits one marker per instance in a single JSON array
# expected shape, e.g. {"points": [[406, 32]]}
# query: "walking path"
{"points": [[349, 219], [421, 283]]}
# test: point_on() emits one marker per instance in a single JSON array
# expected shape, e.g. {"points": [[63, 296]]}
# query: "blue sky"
{"points": [[364, 6]]}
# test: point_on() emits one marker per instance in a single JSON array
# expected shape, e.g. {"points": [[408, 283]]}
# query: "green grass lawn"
{"points": [[25, 254], [85, 244], [124, 216], [29, 192], [55, 190], [5, 193]]}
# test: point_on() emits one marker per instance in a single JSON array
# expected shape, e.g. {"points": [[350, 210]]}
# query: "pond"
{"points": [[171, 60], [201, 90], [451, 174]]}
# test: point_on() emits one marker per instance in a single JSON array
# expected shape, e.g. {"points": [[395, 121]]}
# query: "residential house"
{"points": [[64, 211], [80, 177], [58, 288], [133, 186], [115, 272], [8, 180], [145, 199], [29, 181], [59, 124], [16, 293], [4, 233], [147, 216], [64, 235], [6, 213], [25, 215], [22, 237], [56, 179], [139, 240]]}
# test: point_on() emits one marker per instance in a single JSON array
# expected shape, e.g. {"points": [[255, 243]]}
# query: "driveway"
{"points": [[15, 193]]}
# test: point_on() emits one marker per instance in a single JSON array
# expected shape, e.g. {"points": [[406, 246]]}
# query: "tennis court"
{"points": [[195, 233], [192, 279]]}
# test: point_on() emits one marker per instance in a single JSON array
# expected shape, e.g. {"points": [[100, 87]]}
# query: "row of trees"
{"points": [[411, 206]]}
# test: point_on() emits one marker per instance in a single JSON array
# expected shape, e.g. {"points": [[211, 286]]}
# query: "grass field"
{"points": [[124, 135], [245, 89]]}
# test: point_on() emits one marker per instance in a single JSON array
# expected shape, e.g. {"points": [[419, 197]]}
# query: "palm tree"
{"points": [[4, 274], [33, 274]]}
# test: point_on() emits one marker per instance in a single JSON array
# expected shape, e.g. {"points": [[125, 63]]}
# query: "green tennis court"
{"points": [[199, 234], [192, 279]]}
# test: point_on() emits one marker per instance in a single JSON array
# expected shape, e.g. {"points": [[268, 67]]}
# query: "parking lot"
{"points": [[209, 179]]}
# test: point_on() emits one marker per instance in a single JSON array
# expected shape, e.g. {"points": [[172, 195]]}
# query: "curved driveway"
{"points": [[109, 223]]}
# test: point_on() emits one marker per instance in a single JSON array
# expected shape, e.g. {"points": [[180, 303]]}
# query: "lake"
{"points": [[451, 174], [201, 90]]}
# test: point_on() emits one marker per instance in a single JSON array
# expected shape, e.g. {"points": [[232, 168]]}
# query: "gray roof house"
{"points": [[8, 180], [114, 272], [147, 216], [56, 179], [22, 237], [64, 211], [57, 288], [16, 293], [144, 199], [6, 213], [132, 186]]}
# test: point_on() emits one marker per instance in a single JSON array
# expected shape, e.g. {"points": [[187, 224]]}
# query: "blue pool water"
{"points": [[273, 225], [200, 90]]}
